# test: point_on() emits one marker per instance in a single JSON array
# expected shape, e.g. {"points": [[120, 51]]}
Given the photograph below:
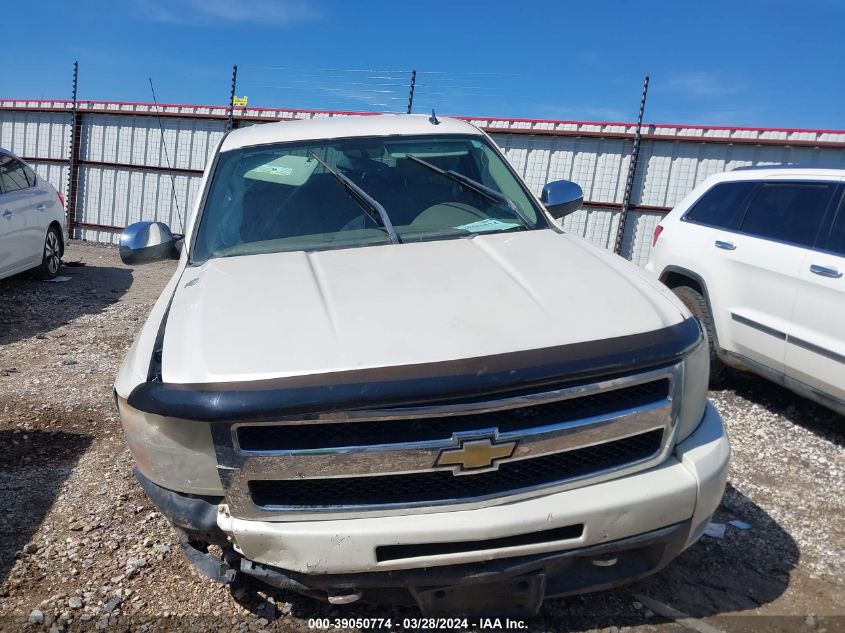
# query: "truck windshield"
{"points": [[284, 197]]}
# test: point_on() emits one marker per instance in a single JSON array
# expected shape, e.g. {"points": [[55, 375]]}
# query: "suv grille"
{"points": [[440, 486]]}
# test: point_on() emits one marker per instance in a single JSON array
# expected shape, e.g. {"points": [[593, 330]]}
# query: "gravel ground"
{"points": [[81, 547]]}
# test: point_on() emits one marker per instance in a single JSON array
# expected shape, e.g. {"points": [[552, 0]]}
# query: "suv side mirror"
{"points": [[145, 242], [562, 197]]}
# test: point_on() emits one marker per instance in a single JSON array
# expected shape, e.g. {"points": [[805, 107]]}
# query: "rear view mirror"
{"points": [[145, 242], [562, 197]]}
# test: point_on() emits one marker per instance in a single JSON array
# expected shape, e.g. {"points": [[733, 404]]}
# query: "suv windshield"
{"points": [[284, 197]]}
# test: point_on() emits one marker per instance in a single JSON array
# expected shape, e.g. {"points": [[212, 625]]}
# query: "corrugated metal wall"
{"points": [[115, 183], [667, 171], [131, 160], [43, 138]]}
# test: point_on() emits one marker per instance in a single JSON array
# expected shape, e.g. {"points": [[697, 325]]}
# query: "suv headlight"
{"points": [[693, 393], [175, 454]]}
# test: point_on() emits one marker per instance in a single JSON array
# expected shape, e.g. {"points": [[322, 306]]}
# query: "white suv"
{"points": [[758, 256]]}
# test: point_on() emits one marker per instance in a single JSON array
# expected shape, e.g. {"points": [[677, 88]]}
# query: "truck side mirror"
{"points": [[562, 197], [145, 242]]}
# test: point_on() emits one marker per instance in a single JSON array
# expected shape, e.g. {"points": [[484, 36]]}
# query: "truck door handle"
{"points": [[41, 207], [728, 246], [7, 214], [825, 271]]}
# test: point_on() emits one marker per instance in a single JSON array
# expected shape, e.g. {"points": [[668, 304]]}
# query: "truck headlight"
{"points": [[175, 454], [693, 394]]}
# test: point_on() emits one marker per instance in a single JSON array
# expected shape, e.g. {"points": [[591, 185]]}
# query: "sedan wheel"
{"points": [[52, 258]]}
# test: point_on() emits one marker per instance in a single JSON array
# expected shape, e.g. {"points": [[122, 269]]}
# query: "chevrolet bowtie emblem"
{"points": [[475, 455]]}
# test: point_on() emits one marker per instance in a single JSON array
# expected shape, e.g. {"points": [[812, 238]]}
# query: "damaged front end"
{"points": [[515, 484]]}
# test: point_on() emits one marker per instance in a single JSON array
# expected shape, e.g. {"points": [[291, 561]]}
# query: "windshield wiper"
{"points": [[370, 205], [473, 185]]}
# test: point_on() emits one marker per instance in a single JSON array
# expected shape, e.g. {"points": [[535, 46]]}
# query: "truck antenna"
{"points": [[167, 156]]}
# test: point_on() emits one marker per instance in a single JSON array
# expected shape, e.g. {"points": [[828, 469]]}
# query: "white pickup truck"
{"points": [[381, 371]]}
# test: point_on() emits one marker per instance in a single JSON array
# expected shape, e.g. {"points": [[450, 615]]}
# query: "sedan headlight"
{"points": [[693, 393], [175, 454]]}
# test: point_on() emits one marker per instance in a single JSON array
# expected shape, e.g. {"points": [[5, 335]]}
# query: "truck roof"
{"points": [[345, 127]]}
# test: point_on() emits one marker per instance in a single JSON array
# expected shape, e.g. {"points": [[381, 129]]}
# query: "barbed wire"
{"points": [[378, 89]]}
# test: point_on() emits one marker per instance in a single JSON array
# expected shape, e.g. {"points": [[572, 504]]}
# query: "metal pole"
{"points": [[73, 158], [632, 170], [411, 93], [231, 122]]}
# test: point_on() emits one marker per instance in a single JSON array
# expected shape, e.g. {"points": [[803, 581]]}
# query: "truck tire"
{"points": [[697, 304], [51, 259]]}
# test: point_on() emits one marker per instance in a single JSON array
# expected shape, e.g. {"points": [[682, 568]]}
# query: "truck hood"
{"points": [[278, 315]]}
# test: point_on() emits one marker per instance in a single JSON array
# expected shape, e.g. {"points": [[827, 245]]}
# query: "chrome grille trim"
{"points": [[237, 467], [512, 402]]}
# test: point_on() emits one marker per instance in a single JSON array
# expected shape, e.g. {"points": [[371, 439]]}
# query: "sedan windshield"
{"points": [[340, 193]]}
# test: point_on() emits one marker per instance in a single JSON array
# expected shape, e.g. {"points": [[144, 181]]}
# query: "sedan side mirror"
{"points": [[145, 242], [562, 197]]}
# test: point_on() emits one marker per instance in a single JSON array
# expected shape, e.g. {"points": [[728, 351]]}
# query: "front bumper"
{"points": [[644, 520], [494, 587]]}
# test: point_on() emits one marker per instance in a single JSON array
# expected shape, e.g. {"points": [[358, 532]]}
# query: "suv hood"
{"points": [[277, 315]]}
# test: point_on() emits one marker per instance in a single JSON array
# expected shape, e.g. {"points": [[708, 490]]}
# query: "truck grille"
{"points": [[260, 438], [440, 486], [461, 454]]}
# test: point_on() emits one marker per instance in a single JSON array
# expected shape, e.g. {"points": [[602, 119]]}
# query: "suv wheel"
{"points": [[697, 304], [51, 261]]}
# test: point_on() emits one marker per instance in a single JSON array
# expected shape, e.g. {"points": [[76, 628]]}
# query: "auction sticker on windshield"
{"points": [[489, 224]]}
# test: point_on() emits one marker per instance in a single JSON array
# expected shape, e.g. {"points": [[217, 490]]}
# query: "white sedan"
{"points": [[33, 230]]}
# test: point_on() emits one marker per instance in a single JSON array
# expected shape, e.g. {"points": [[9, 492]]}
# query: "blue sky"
{"points": [[739, 62]]}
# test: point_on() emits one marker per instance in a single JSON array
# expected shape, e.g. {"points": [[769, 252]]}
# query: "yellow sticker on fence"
{"points": [[240, 102]]}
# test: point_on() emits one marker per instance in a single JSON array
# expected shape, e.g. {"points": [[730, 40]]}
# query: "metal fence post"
{"points": [[632, 170], [231, 122], [411, 92], [73, 158]]}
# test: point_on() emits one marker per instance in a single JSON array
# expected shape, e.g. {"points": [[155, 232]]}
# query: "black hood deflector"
{"points": [[423, 384]]}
